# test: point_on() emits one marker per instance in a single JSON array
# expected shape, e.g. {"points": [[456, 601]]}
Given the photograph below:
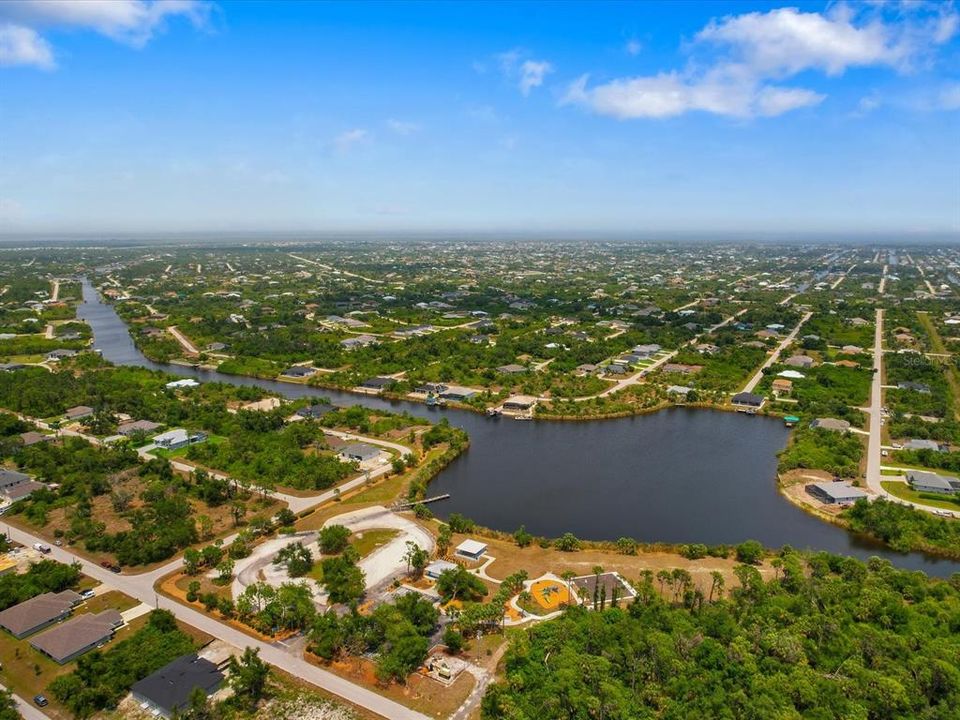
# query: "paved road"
{"points": [[758, 376], [140, 587], [183, 340], [875, 443]]}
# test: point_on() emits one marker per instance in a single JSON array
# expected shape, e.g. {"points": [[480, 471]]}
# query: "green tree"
{"points": [[333, 539], [248, 677]]}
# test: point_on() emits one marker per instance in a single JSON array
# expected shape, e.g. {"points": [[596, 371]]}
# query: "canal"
{"points": [[680, 475]]}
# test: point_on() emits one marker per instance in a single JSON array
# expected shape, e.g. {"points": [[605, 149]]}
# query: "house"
{"points": [[924, 481], [707, 349], [432, 388], [316, 411], [511, 369], [360, 452], [679, 390], [168, 690], [11, 367], [78, 635], [915, 386], [747, 400], [434, 569], [519, 402], [19, 492], [185, 383], [378, 383], [178, 438], [265, 405], [38, 612], [56, 355], [791, 375], [32, 438], [646, 351], [847, 364], [587, 368], [918, 444], [804, 361], [831, 424], [12, 478], [471, 549], [137, 426], [299, 371], [215, 347], [80, 411], [458, 393], [616, 369], [682, 369], [835, 493], [851, 350], [360, 341], [781, 386]]}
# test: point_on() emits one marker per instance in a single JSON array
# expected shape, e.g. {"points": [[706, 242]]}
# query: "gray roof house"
{"points": [[38, 612], [919, 444], [804, 361], [78, 635], [835, 493], [915, 386], [299, 371], [923, 481], [135, 426], [831, 424], [359, 452], [12, 478], [747, 399], [80, 411], [168, 689]]}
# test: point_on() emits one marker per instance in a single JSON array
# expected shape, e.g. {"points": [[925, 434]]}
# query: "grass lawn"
{"points": [[369, 540], [905, 492]]}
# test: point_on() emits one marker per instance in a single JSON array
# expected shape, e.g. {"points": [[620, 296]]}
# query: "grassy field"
{"points": [[369, 540], [905, 492]]}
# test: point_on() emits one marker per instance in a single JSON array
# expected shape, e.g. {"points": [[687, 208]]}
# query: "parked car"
{"points": [[40, 700], [41, 547], [106, 563], [87, 594], [115, 569]]}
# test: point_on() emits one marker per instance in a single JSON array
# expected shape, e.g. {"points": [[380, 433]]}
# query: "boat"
{"points": [[791, 420], [523, 417], [494, 412]]}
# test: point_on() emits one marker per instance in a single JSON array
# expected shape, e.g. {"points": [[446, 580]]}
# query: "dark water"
{"points": [[680, 475]]}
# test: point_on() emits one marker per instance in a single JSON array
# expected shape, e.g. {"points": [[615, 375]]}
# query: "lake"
{"points": [[680, 475]]}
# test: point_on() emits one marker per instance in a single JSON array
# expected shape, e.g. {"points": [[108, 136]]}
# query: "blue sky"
{"points": [[638, 117]]}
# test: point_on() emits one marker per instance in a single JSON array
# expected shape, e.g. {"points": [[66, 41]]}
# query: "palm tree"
{"points": [[567, 576], [716, 584]]}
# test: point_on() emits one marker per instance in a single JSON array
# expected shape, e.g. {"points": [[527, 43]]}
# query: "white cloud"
{"points": [[403, 127], [758, 49], [670, 94], [532, 73], [785, 41], [633, 47], [132, 22], [527, 73], [23, 46], [347, 140]]}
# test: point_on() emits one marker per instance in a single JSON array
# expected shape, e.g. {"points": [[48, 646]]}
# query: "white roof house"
{"points": [[185, 383], [473, 549]]}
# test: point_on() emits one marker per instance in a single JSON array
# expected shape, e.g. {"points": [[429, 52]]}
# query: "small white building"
{"points": [[437, 567], [185, 383], [471, 549]]}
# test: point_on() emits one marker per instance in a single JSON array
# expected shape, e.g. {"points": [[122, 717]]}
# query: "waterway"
{"points": [[680, 475]]}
